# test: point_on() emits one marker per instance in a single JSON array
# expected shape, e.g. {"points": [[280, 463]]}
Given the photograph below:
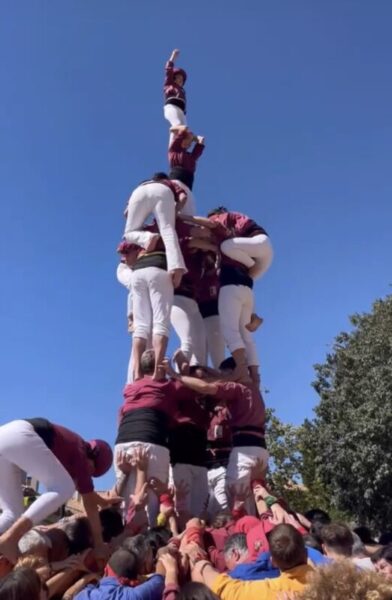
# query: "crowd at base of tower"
{"points": [[190, 516]]}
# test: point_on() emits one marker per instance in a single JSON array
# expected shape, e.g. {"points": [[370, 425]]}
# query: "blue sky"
{"points": [[294, 99]]}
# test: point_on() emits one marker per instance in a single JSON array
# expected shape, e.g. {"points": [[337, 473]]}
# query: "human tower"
{"points": [[198, 419]]}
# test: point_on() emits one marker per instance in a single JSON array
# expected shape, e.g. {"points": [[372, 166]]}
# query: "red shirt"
{"points": [[71, 450], [147, 393], [209, 290], [180, 157], [234, 224], [191, 281], [245, 404], [171, 89]]}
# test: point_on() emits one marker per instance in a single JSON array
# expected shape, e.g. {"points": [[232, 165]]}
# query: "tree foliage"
{"points": [[347, 448]]}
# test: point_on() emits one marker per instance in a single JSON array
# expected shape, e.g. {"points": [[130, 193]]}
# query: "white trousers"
{"points": [[158, 199], [158, 467], [217, 495], [174, 114], [195, 502], [189, 326], [246, 249], [242, 462], [22, 450], [215, 341], [236, 305], [152, 301], [189, 207]]}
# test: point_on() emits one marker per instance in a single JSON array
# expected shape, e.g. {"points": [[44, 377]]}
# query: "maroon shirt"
{"points": [[71, 450], [171, 89], [180, 157], [209, 290], [147, 393], [245, 404], [234, 224], [191, 281]]}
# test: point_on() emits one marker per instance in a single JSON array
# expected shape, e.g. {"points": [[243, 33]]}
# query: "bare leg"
{"points": [[138, 347], [254, 323], [159, 343], [241, 370]]}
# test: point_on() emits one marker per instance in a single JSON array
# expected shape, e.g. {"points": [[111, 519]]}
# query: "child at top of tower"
{"points": [[175, 96]]}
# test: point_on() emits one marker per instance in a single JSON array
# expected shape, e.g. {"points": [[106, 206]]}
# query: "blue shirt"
{"points": [[262, 568], [110, 589]]}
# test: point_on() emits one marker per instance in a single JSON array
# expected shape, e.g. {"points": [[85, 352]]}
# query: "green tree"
{"points": [[347, 448]]}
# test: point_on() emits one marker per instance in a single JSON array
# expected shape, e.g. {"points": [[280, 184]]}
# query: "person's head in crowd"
{"points": [[365, 535], [196, 591], [222, 519], [147, 362], [337, 540], [197, 371], [235, 550], [59, 545], [23, 583], [382, 560], [342, 580], [111, 523], [157, 537], [220, 210], [287, 547], [79, 535], [143, 551], [359, 548], [35, 543], [385, 538], [123, 565], [317, 514]]}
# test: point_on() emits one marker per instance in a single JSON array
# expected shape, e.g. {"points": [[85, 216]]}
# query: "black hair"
{"points": [[111, 523], [217, 211], [139, 545], [159, 176], [221, 519], [196, 591], [22, 582], [79, 534], [364, 534], [124, 563], [228, 363], [157, 537], [312, 542], [385, 538], [317, 514]]}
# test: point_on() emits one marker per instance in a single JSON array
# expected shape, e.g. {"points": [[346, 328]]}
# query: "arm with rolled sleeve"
{"points": [[169, 76]]}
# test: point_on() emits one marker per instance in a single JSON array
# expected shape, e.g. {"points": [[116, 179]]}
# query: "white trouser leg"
{"points": [[235, 310], [246, 250], [189, 326], [217, 500], [215, 340], [158, 199], [242, 462], [21, 449], [189, 207], [161, 292], [174, 114], [158, 467], [196, 478], [142, 311]]}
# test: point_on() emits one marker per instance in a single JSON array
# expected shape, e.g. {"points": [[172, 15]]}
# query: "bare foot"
{"points": [[153, 242], [181, 361], [241, 373], [255, 322], [159, 373]]}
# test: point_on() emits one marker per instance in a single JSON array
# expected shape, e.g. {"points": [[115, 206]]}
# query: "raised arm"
{"points": [[169, 77], [198, 148]]}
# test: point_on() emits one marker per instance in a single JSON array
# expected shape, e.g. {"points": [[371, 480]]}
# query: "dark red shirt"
{"points": [[191, 281], [245, 404], [209, 290], [71, 450], [148, 393], [171, 89], [234, 224], [180, 157]]}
